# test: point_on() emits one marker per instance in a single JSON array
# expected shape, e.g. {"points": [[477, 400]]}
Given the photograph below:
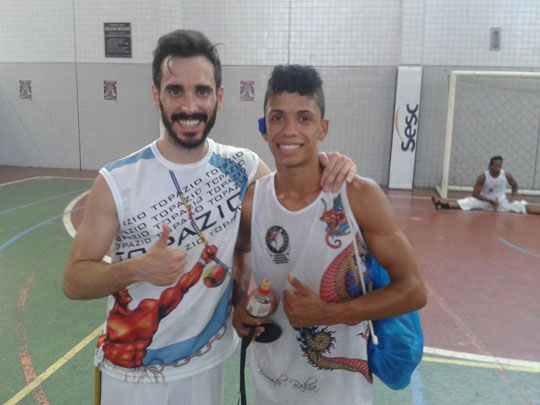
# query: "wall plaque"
{"points": [[117, 40]]}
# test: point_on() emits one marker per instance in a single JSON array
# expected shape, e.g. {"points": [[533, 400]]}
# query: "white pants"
{"points": [[205, 388], [471, 203]]}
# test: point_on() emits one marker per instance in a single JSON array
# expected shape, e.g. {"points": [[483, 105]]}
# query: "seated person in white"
{"points": [[489, 193]]}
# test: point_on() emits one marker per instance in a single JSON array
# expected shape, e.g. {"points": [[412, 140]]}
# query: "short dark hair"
{"points": [[185, 43], [304, 80], [494, 159]]}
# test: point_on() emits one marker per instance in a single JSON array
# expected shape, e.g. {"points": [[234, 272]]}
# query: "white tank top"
{"points": [[197, 334], [494, 187], [321, 364]]}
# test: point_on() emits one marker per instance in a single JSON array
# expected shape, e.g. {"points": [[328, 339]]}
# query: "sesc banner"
{"points": [[405, 129]]}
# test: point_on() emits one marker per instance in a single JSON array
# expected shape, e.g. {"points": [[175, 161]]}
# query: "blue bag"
{"points": [[400, 339]]}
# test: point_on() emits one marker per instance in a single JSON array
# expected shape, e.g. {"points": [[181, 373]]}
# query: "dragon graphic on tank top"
{"points": [[336, 222], [340, 282]]}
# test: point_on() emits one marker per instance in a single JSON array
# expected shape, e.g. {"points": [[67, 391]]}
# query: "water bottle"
{"points": [[261, 303]]}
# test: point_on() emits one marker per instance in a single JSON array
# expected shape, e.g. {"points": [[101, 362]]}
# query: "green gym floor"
{"points": [[481, 324]]}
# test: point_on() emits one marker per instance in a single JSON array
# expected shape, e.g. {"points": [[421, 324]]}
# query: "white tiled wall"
{"points": [[253, 33], [90, 15], [346, 33], [358, 38], [337, 33], [457, 32], [39, 32], [412, 31]]}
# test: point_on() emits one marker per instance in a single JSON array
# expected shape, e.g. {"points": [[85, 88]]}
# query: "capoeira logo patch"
{"points": [[277, 242]]}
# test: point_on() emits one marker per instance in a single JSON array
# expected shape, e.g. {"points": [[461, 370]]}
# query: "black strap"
{"points": [[246, 340]]}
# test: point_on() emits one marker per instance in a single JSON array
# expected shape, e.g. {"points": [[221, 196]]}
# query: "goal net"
{"points": [[489, 114]]}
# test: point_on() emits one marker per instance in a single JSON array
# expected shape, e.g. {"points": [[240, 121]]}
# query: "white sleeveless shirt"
{"points": [[320, 364], [494, 187], [197, 334]]}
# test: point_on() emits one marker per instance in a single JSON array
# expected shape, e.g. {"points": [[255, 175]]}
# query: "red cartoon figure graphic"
{"points": [[130, 331]]}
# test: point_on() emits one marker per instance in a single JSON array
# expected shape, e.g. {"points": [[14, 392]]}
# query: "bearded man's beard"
{"points": [[192, 142]]}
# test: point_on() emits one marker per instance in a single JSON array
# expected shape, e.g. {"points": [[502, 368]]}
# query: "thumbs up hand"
{"points": [[303, 306], [161, 265]]}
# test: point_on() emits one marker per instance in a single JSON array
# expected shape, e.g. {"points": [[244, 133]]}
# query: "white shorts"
{"points": [[471, 203], [205, 388]]}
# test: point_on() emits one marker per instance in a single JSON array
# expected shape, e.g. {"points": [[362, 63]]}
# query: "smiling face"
{"points": [[188, 99], [294, 126]]}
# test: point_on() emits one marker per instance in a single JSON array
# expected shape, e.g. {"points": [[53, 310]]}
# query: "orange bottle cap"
{"points": [[265, 287]]}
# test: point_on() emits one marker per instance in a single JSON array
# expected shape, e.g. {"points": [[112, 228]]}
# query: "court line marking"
{"points": [[479, 358], [43, 177], [29, 230], [459, 358], [77, 348], [20, 207], [511, 245], [473, 340], [20, 335], [67, 213], [417, 388], [54, 367], [68, 225], [19, 181], [477, 364]]}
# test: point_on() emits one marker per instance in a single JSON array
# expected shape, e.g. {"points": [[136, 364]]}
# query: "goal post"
{"points": [[492, 113]]}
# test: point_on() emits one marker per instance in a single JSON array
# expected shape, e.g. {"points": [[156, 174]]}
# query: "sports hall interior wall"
{"points": [[357, 45]]}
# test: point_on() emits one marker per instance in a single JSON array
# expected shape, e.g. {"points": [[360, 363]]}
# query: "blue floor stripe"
{"points": [[417, 388], [33, 228], [518, 248], [20, 207]]}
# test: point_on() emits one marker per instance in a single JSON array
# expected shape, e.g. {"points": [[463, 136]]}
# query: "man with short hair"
{"points": [[300, 237], [489, 193], [170, 211]]}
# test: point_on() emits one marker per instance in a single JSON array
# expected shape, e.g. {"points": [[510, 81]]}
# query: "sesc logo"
{"points": [[408, 142]]}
